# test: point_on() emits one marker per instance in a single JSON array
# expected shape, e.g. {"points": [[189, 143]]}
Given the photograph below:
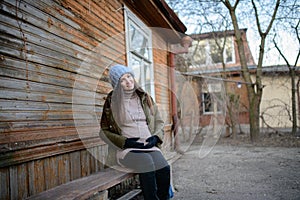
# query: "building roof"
{"points": [[158, 14], [278, 69], [171, 16], [252, 68], [218, 34]]}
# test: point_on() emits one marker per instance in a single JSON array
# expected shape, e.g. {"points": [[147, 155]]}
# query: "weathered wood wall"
{"points": [[161, 75], [23, 180], [47, 47], [53, 85], [162, 84]]}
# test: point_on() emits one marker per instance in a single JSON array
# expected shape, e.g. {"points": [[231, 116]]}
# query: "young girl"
{"points": [[133, 127]]}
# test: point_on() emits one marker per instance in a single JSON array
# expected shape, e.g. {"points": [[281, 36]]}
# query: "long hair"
{"points": [[118, 103]]}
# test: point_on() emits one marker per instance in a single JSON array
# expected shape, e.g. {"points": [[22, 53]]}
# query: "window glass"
{"points": [[138, 42], [207, 103], [215, 50], [147, 73], [138, 48], [207, 52], [199, 52], [229, 50], [211, 95], [136, 67]]}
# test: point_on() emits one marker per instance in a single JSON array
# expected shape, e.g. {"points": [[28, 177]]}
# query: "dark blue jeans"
{"points": [[154, 173]]}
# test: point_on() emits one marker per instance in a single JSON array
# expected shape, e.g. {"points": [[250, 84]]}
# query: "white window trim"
{"points": [[128, 14], [211, 88]]}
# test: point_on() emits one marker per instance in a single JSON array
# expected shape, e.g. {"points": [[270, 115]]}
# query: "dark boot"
{"points": [[163, 183], [148, 185]]}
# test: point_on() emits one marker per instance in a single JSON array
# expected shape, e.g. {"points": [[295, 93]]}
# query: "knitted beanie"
{"points": [[116, 72]]}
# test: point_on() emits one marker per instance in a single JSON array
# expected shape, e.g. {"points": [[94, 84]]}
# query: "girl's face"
{"points": [[127, 81]]}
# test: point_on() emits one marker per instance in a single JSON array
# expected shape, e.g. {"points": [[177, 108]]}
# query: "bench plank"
{"points": [[84, 187], [130, 195]]}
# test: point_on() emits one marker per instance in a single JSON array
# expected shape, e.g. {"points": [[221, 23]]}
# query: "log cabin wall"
{"points": [[44, 45], [161, 75], [53, 81]]}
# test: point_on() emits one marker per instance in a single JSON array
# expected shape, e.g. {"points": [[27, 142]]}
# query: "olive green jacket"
{"points": [[111, 133]]}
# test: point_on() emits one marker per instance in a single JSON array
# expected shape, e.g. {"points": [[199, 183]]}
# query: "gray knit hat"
{"points": [[116, 72]]}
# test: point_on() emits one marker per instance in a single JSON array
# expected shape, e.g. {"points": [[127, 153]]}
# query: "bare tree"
{"points": [[263, 13], [292, 73], [255, 90]]}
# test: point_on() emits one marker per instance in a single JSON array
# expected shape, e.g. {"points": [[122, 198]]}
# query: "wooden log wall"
{"points": [[161, 76], [162, 85], [48, 47]]}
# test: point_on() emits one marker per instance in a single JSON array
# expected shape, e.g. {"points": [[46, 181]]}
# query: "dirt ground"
{"points": [[239, 170]]}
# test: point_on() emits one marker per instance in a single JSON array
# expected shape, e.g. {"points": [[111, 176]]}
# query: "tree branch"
{"points": [[261, 33], [273, 16], [298, 37], [236, 4], [256, 18], [280, 52]]}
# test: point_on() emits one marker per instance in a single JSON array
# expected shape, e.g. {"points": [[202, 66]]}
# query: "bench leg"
{"points": [[103, 195]]}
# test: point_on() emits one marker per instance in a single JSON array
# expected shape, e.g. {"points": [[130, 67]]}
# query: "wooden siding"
{"points": [[53, 70], [161, 76], [162, 85], [47, 47], [23, 180]]}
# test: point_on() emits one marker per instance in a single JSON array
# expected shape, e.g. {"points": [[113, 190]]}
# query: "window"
{"points": [[207, 52], [139, 51], [211, 96]]}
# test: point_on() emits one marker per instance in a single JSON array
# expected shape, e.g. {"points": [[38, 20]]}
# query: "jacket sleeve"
{"points": [[109, 132], [158, 123]]}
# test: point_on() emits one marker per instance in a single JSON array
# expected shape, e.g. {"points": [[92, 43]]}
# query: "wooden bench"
{"points": [[88, 187]]}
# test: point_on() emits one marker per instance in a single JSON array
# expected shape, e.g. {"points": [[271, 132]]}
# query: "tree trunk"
{"points": [[294, 110], [254, 111], [253, 96], [298, 96], [234, 133]]}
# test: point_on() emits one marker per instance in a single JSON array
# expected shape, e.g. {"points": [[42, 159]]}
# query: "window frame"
{"points": [[208, 89], [132, 20]]}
